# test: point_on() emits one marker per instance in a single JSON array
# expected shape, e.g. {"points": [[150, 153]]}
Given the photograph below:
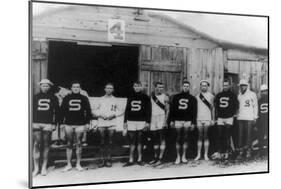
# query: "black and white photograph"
{"points": [[125, 94]]}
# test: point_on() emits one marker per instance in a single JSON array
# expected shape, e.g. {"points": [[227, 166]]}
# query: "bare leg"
{"points": [[36, 151], [139, 147], [132, 139], [46, 146], [199, 142], [162, 145], [206, 142], [156, 145], [79, 136], [84, 140], [185, 145], [69, 138], [178, 146]]}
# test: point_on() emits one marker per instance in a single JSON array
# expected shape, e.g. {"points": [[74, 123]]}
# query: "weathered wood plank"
{"points": [[145, 79], [131, 38], [264, 73], [233, 66], [161, 66], [35, 70], [39, 62], [99, 20], [240, 55]]}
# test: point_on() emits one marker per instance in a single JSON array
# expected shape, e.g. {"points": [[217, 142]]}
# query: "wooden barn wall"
{"points": [[39, 63], [90, 24], [171, 64], [248, 66], [162, 64]]}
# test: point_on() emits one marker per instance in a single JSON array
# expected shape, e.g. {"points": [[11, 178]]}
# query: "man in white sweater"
{"points": [[247, 116]]}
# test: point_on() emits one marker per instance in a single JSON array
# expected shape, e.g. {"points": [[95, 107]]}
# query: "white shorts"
{"points": [[75, 128], [182, 124], [135, 125], [204, 123], [157, 122], [224, 121], [42, 126], [106, 123]]}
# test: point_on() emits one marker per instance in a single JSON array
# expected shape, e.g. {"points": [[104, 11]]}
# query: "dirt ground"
{"points": [[118, 173]]}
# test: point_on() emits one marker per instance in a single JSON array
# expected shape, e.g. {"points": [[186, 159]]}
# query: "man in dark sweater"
{"points": [[263, 118], [75, 115], [183, 114], [45, 111], [136, 120], [226, 105]]}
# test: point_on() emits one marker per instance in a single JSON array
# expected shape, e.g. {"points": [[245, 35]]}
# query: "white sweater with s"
{"points": [[248, 106]]}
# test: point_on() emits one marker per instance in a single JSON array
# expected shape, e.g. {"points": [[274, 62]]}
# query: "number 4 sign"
{"points": [[116, 30]]}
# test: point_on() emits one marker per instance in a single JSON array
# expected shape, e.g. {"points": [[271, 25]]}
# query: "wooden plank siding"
{"points": [[171, 64], [204, 64], [249, 66], [39, 63], [161, 64]]}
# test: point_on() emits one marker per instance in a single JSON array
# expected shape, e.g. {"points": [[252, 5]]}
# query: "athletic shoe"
{"points": [[197, 158], [140, 163], [67, 168], [155, 160], [84, 144], [178, 160], [206, 157], [248, 155], [102, 164], [184, 160], [159, 162], [43, 172], [216, 156], [108, 163], [79, 168], [240, 156], [128, 164], [35, 173]]}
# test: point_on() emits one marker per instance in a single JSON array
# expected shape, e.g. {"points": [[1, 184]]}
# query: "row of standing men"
{"points": [[183, 112]]}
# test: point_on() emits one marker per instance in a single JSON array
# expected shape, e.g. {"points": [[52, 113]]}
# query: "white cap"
{"points": [[264, 87], [243, 82], [45, 81], [202, 81]]}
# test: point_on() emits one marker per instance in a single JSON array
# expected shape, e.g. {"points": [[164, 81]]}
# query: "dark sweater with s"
{"points": [[75, 110], [226, 104], [183, 108], [138, 108], [45, 108], [263, 108]]}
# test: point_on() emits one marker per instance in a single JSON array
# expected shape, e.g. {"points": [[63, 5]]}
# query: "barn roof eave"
{"points": [[221, 43]]}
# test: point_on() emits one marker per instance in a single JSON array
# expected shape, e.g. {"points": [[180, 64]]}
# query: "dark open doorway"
{"points": [[93, 66]]}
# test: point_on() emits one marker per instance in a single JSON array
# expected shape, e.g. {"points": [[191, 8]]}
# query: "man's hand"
{"points": [[172, 124], [87, 127], [146, 127], [192, 127], [165, 125], [213, 122], [125, 129], [62, 126], [103, 117], [54, 127], [111, 117]]}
